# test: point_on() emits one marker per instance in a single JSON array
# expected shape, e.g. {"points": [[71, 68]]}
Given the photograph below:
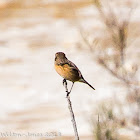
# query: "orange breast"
{"points": [[66, 72]]}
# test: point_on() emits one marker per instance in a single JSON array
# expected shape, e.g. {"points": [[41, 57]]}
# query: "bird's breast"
{"points": [[66, 72]]}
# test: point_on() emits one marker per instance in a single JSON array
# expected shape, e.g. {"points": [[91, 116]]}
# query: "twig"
{"points": [[71, 112]]}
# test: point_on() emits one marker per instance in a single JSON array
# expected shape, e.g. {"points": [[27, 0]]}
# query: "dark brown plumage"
{"points": [[68, 70]]}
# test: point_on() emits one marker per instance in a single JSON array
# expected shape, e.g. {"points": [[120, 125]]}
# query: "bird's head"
{"points": [[60, 56]]}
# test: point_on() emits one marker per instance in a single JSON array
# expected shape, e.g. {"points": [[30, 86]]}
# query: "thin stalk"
{"points": [[71, 112]]}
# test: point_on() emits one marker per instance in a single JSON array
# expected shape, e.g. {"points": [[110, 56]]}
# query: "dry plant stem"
{"points": [[71, 112]]}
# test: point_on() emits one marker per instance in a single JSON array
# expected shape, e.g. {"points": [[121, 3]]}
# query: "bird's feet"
{"points": [[67, 94], [64, 82]]}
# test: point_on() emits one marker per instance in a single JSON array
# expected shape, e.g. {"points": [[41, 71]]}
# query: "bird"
{"points": [[68, 70]]}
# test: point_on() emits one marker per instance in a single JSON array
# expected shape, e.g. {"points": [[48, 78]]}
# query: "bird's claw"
{"points": [[64, 82], [67, 94]]}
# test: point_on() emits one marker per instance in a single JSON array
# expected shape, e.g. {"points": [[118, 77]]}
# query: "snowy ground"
{"points": [[32, 97]]}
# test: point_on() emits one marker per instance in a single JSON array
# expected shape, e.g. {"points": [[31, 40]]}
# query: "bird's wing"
{"points": [[75, 68]]}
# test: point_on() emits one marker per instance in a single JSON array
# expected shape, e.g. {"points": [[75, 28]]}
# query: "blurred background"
{"points": [[101, 37]]}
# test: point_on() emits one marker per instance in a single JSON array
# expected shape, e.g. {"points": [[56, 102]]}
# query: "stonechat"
{"points": [[68, 70]]}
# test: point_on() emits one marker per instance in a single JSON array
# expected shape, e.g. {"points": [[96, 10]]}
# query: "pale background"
{"points": [[32, 97]]}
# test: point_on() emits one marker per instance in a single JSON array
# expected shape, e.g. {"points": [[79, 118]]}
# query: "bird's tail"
{"points": [[84, 81]]}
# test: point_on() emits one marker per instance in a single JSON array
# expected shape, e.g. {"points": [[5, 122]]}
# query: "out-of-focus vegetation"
{"points": [[114, 46], [113, 54]]}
